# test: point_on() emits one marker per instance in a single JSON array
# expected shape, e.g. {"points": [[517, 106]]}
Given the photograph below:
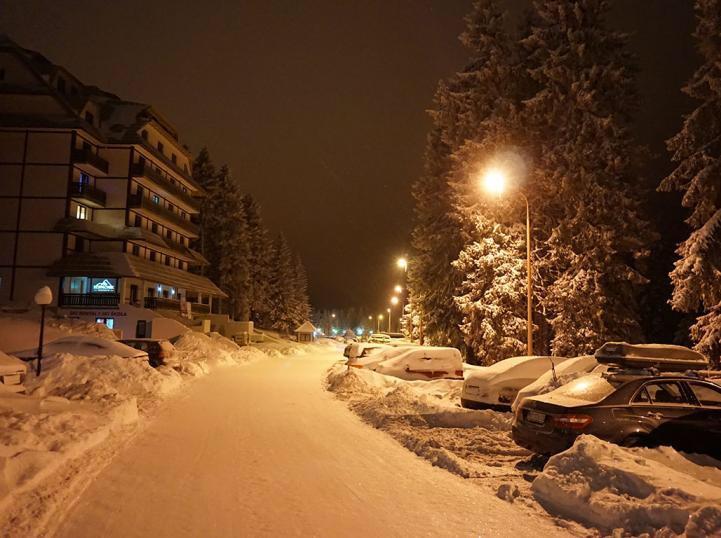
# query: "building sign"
{"points": [[104, 286]]}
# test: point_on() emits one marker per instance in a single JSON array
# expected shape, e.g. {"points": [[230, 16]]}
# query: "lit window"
{"points": [[84, 178], [81, 213], [156, 199]]}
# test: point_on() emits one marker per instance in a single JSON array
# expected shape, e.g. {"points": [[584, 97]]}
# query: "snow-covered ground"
{"points": [[78, 404], [593, 488]]}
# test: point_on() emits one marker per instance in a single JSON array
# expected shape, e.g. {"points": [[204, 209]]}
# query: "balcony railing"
{"points": [[87, 157], [87, 299], [145, 170], [164, 303], [200, 308], [88, 192], [141, 202]]}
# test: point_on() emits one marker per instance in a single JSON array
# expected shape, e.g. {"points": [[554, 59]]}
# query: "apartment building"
{"points": [[97, 200]]}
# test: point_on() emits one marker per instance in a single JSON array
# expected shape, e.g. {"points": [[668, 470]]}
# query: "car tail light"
{"points": [[572, 422]]}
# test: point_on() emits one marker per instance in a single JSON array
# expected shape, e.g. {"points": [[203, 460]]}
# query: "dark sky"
{"points": [[318, 106]]}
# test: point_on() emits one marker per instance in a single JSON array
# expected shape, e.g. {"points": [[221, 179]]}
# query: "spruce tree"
{"points": [[463, 104], [282, 288], [697, 151], [261, 259], [301, 302], [585, 191], [205, 174]]}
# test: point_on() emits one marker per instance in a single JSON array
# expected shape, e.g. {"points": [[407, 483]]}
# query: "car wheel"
{"points": [[635, 441]]}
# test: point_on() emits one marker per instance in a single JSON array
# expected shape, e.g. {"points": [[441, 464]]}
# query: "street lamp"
{"points": [[43, 297], [379, 318], [398, 288], [402, 263], [389, 319], [494, 182]]}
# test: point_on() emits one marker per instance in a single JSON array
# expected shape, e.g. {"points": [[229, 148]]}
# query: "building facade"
{"points": [[96, 197]]}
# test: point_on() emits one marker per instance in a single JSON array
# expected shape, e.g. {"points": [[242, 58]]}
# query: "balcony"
{"points": [[89, 300], [91, 162], [164, 303], [89, 194], [151, 209], [144, 170]]}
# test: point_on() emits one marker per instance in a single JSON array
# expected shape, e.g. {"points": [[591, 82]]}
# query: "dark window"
{"points": [[182, 214], [61, 85], [152, 255], [665, 393], [138, 221], [89, 117], [136, 250], [167, 260], [79, 244], [151, 292], [144, 134], [2, 74], [160, 147], [706, 395], [155, 227], [174, 158], [169, 234], [73, 90]]}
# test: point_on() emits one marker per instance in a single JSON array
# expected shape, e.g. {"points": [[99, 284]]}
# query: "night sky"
{"points": [[318, 107]]}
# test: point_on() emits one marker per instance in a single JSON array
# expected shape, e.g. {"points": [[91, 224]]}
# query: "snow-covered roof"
{"points": [[306, 327]]}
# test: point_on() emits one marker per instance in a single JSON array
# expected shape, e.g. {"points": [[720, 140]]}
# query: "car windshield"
{"points": [[587, 388]]}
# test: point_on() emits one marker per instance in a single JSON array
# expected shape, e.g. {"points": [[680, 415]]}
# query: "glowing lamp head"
{"points": [[402, 263], [380, 316], [394, 301], [494, 181], [398, 289], [388, 310]]}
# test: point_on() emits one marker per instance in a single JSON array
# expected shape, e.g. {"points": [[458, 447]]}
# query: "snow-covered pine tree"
{"points": [[493, 298], [585, 189], [282, 287], [230, 239], [205, 174], [261, 259], [301, 300], [697, 151], [461, 105]]}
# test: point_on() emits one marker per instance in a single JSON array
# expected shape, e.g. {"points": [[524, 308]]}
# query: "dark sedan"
{"points": [[631, 410]]}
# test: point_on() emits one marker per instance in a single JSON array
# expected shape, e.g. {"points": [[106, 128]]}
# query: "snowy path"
{"points": [[263, 450]]}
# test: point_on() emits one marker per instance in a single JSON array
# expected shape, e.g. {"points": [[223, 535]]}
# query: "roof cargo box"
{"points": [[665, 357]]}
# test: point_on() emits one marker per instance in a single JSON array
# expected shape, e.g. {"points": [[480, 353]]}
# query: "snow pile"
{"points": [[656, 491], [426, 418], [197, 353]]}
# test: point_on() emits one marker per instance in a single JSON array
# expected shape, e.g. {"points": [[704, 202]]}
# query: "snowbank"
{"points": [[197, 353], [425, 417], [654, 491], [18, 332]]}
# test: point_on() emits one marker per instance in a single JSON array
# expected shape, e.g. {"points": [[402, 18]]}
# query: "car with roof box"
{"points": [[649, 396]]}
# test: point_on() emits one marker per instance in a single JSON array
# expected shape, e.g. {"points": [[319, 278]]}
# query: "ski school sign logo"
{"points": [[104, 286]]}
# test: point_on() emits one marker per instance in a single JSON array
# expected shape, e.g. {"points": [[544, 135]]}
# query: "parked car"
{"points": [[496, 387], [86, 346], [423, 363], [376, 356], [380, 338], [357, 350], [12, 374], [564, 373], [160, 352], [631, 410], [634, 403]]}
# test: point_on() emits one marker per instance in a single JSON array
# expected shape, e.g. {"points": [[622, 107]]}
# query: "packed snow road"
{"points": [[264, 450]]}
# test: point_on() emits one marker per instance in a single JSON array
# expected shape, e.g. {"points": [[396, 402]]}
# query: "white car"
{"points": [[564, 373], [496, 387], [87, 346], [358, 350], [12, 374], [423, 363], [376, 356]]}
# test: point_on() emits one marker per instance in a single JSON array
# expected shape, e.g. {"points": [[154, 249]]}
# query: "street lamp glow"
{"points": [[402, 263], [394, 300], [380, 316], [398, 288], [494, 181]]}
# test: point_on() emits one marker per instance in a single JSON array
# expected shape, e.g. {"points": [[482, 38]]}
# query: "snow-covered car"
{"points": [[376, 356], [12, 374], [564, 373], [358, 350], [380, 338], [497, 386], [86, 346], [160, 351], [423, 363]]}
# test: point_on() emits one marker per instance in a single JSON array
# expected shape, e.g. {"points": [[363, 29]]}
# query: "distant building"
{"points": [[96, 197], [306, 332]]}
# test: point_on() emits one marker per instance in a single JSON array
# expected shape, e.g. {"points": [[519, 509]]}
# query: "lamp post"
{"points": [[43, 297], [379, 318], [394, 302], [389, 319], [494, 182]]}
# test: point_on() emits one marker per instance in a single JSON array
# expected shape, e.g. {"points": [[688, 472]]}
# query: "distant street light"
{"points": [[494, 182], [43, 297], [398, 288], [402, 263], [394, 300]]}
